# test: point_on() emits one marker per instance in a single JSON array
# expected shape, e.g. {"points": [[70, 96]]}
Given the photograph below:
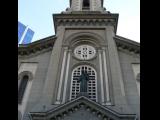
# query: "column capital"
{"points": [[65, 47], [69, 50], [99, 50], [103, 48], [57, 102]]}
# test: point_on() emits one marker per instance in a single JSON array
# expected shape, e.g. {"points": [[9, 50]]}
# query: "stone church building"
{"points": [[85, 40]]}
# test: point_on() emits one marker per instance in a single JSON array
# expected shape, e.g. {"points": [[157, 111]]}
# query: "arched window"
{"points": [[91, 86], [22, 88]]}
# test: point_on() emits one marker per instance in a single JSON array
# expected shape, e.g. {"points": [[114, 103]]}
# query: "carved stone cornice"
{"points": [[37, 46], [88, 19], [127, 44]]}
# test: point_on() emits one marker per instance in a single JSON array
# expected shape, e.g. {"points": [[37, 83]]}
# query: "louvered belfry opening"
{"points": [[86, 5]]}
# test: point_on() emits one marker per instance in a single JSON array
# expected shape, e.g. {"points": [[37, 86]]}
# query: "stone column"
{"points": [[66, 77], [61, 77], [106, 77], [101, 75]]}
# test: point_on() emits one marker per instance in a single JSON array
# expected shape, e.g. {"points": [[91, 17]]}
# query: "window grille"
{"points": [[92, 83]]}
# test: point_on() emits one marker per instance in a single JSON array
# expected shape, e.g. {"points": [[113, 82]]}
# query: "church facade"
{"points": [[49, 69]]}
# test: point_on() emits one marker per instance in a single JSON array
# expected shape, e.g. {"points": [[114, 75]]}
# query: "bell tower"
{"points": [[86, 5], [85, 41]]}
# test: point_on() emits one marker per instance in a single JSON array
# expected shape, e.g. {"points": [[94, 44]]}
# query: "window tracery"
{"points": [[84, 52]]}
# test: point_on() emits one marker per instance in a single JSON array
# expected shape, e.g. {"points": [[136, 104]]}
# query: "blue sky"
{"points": [[37, 14]]}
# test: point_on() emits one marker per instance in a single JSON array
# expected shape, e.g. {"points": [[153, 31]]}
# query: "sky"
{"points": [[37, 15]]}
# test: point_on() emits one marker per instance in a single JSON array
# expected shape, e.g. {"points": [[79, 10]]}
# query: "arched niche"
{"points": [[76, 39], [28, 73]]}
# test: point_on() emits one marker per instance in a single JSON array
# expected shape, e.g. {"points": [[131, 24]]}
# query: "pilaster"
{"points": [[101, 75], [116, 73], [50, 87], [66, 76], [61, 76], [106, 79]]}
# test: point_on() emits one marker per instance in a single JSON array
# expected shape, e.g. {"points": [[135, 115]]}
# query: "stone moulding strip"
{"points": [[85, 19]]}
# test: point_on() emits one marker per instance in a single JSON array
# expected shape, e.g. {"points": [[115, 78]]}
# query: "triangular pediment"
{"points": [[48, 43], [82, 107]]}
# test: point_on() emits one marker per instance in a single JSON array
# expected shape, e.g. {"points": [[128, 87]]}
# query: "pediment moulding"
{"points": [[38, 46], [128, 48], [82, 103], [47, 44], [125, 44]]}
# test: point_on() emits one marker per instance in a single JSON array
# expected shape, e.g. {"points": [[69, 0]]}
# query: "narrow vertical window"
{"points": [[138, 82], [136, 71], [138, 77], [86, 4], [22, 88]]}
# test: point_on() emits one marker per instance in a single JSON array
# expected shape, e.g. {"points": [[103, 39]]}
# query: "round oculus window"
{"points": [[84, 52]]}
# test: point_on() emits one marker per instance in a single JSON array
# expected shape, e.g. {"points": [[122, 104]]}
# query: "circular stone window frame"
{"points": [[82, 59]]}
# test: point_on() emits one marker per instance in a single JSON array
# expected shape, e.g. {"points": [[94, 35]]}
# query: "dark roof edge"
{"points": [[42, 44], [127, 40], [38, 41], [125, 43]]}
